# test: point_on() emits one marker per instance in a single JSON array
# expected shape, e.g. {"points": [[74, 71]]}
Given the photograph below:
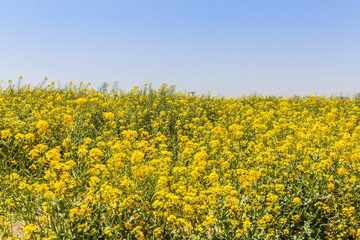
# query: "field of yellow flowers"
{"points": [[76, 163]]}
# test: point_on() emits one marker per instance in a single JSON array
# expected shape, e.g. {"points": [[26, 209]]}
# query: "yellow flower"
{"points": [[108, 232], [109, 116], [137, 156], [43, 219], [128, 225], [28, 229], [67, 118], [96, 153], [82, 152], [265, 221], [296, 218], [53, 155], [209, 221], [6, 134], [157, 231], [42, 125], [213, 177], [66, 142], [279, 187], [30, 136], [297, 201], [283, 220]]}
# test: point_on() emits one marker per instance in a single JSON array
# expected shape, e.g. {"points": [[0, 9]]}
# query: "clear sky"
{"points": [[223, 47]]}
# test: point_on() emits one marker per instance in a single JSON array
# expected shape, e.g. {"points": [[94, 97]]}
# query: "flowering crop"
{"points": [[77, 163]]}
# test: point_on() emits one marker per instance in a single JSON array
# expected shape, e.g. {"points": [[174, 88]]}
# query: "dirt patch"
{"points": [[16, 230]]}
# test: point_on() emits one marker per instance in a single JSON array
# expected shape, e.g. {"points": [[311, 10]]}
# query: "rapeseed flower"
{"points": [[78, 163]]}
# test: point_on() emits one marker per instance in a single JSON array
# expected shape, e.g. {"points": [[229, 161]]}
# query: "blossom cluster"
{"points": [[78, 163]]}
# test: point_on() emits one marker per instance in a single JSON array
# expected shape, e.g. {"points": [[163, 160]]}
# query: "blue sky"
{"points": [[224, 47]]}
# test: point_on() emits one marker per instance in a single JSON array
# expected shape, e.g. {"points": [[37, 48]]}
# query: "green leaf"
{"points": [[307, 228]]}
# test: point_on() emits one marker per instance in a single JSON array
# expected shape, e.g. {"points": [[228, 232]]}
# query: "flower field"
{"points": [[76, 163]]}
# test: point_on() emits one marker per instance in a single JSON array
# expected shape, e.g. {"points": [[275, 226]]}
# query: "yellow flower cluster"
{"points": [[77, 163]]}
